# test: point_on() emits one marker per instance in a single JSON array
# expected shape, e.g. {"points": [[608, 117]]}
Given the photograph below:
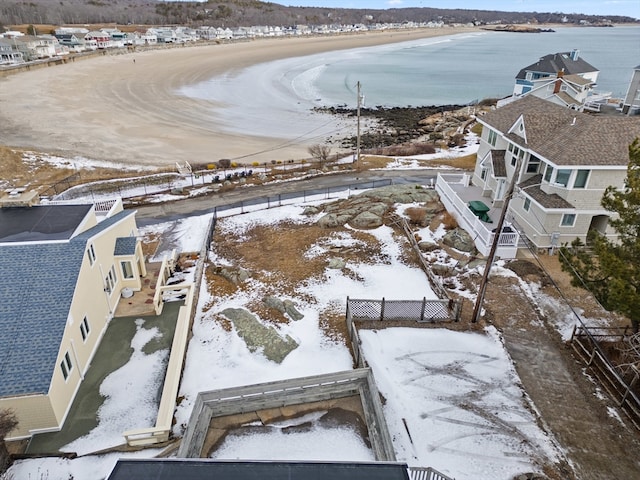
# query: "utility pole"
{"points": [[358, 126], [477, 308]]}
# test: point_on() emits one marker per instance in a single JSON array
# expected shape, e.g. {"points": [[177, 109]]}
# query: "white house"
{"points": [[562, 78], [562, 161], [8, 54]]}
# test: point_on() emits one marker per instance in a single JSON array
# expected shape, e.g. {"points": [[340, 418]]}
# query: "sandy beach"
{"points": [[112, 108]]}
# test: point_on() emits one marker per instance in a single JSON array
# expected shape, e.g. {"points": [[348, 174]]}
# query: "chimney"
{"points": [[558, 84]]}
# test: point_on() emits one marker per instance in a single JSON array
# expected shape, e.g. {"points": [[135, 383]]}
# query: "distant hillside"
{"points": [[233, 13]]}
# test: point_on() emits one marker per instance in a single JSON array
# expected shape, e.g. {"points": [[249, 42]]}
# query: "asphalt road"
{"points": [[169, 211]]}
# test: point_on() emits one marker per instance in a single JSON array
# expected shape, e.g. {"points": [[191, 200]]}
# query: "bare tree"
{"points": [[8, 421], [320, 152]]}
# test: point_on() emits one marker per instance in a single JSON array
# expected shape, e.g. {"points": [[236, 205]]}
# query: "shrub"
{"points": [[449, 221], [211, 166], [255, 164], [224, 163], [417, 216], [234, 165]]}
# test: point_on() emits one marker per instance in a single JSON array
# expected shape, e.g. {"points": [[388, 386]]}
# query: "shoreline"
{"points": [[115, 109]]}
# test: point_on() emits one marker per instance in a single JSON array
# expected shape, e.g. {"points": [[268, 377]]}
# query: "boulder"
{"points": [[311, 210], [332, 220], [292, 311], [274, 302], [258, 337], [366, 220], [427, 246], [336, 264], [234, 275], [459, 239]]}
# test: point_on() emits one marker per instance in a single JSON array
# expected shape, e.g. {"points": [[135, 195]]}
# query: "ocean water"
{"points": [[276, 98]]}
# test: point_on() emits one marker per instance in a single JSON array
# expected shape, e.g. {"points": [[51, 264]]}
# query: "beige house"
{"points": [[563, 161], [64, 270]]}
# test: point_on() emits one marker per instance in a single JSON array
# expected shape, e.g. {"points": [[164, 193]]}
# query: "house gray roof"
{"points": [[499, 167], [566, 137], [125, 246], [39, 281], [531, 187], [41, 222], [200, 469], [556, 62]]}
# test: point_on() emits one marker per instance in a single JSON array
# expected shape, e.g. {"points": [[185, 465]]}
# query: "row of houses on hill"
{"points": [[16, 48]]}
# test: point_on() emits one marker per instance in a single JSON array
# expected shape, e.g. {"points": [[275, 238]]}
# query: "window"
{"points": [[568, 220], [562, 177], [527, 204], [547, 173], [110, 280], [127, 269], [533, 165], [513, 161], [581, 179], [84, 328], [66, 366], [493, 136], [91, 254]]}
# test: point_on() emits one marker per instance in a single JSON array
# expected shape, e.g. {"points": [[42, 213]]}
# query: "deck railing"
{"points": [[483, 237]]}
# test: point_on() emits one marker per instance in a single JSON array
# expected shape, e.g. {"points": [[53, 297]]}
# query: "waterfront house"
{"points": [[64, 269], [562, 161], [101, 40], [35, 47], [8, 54], [548, 67]]}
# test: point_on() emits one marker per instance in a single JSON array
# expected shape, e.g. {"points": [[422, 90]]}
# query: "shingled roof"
{"points": [[557, 62], [39, 280], [201, 469], [532, 188], [566, 137]]}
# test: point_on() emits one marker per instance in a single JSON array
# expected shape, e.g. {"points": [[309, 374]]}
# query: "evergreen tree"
{"points": [[8, 422], [611, 269]]}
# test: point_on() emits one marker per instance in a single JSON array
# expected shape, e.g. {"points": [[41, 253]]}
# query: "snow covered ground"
{"points": [[457, 392]]}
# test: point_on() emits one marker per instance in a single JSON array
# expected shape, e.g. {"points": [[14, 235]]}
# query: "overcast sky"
{"points": [[629, 8]]}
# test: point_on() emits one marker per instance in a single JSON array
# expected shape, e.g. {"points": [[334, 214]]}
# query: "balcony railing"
{"points": [[483, 237]]}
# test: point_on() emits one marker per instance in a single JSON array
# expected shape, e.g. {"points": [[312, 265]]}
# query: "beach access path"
{"points": [[114, 109]]}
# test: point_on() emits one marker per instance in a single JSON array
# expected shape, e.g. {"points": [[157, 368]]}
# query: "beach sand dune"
{"points": [[114, 109]]}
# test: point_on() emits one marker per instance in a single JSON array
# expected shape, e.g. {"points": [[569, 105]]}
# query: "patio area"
{"points": [[114, 352], [141, 303], [456, 193]]}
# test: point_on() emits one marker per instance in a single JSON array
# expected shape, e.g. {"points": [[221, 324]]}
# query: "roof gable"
{"points": [[564, 136]]}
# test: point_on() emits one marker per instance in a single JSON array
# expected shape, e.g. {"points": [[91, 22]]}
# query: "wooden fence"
{"points": [[435, 282], [396, 310], [621, 387], [295, 391]]}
